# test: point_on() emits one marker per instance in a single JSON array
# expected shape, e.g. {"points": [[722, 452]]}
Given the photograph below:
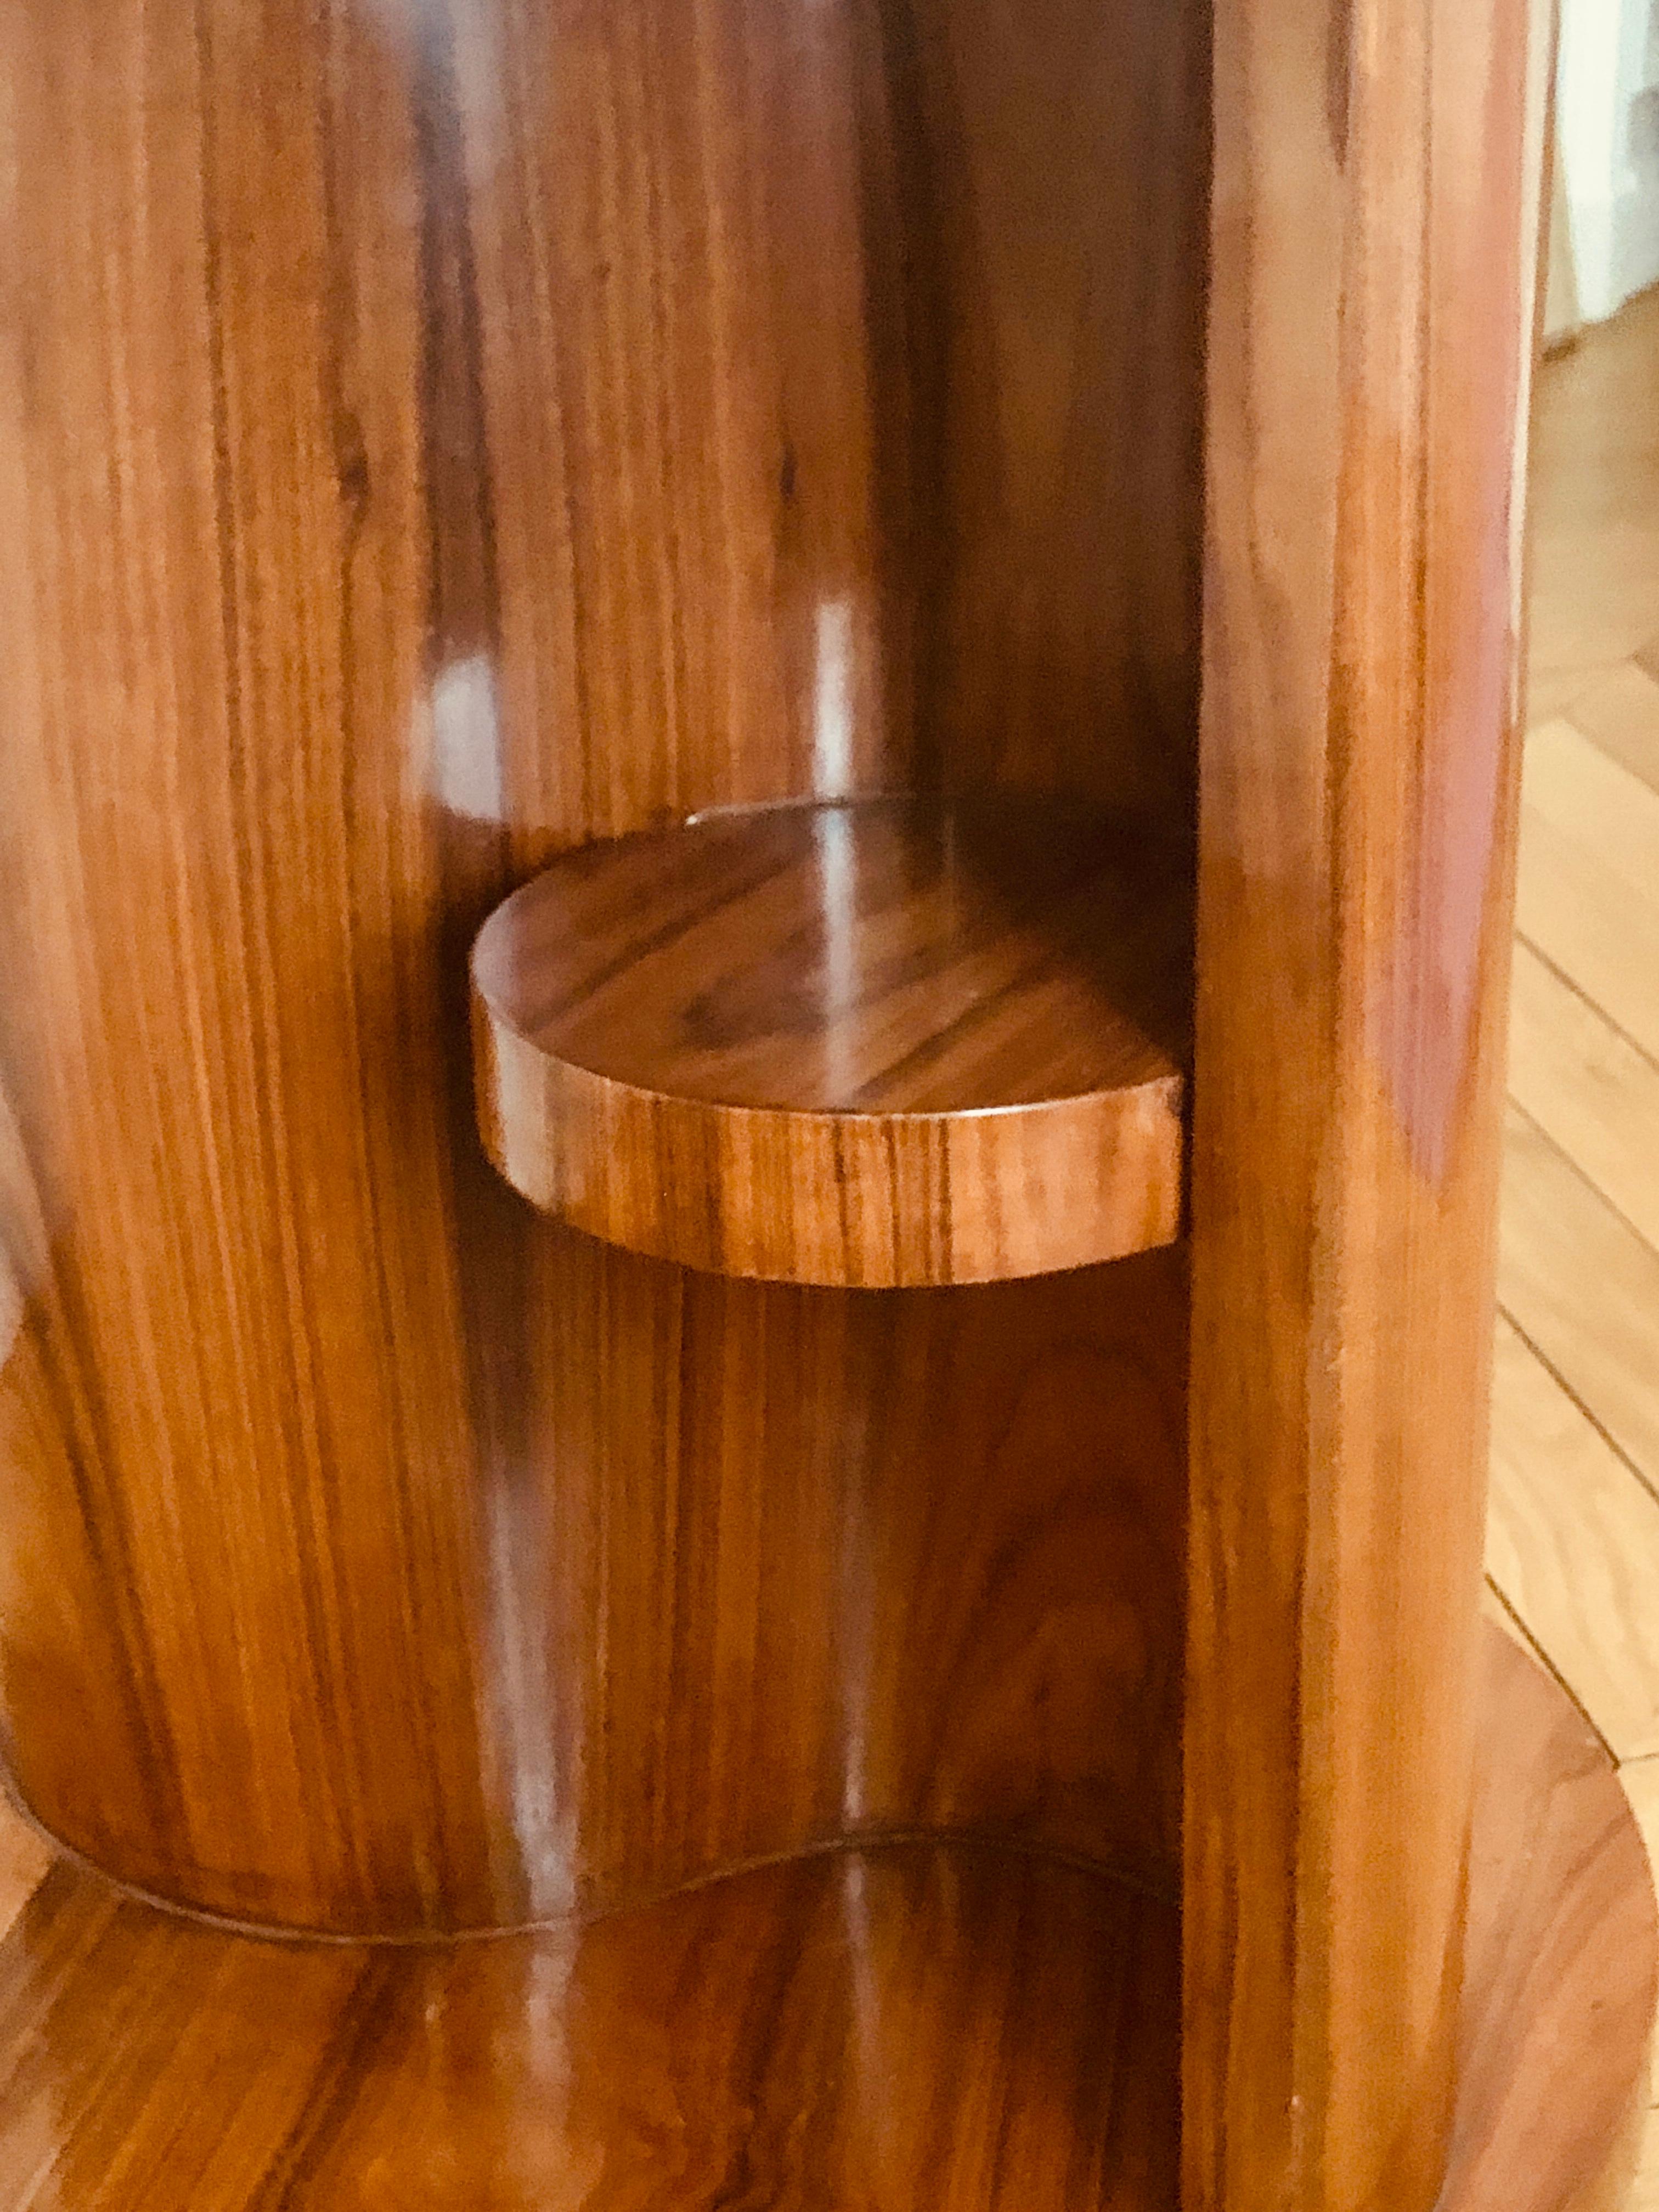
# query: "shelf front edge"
{"points": [[871, 1201]]}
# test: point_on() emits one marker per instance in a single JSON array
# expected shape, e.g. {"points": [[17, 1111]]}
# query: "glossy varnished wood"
{"points": [[24, 1859], [1560, 1971], [910, 2029], [430, 437], [892, 1044], [822, 1562], [1374, 233], [816, 1563], [434, 437], [838, 392], [903, 2028]]}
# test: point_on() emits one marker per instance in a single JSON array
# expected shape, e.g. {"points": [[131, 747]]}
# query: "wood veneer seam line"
{"points": [[1579, 993], [1549, 1666], [1118, 1872]]}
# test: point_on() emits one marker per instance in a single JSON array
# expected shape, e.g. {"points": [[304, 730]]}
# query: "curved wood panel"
{"points": [[431, 435], [818, 1563], [825, 1562], [1370, 334], [840, 388], [883, 1044], [907, 2028]]}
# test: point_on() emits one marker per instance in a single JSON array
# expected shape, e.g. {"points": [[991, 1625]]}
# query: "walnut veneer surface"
{"points": [[437, 436], [433, 438]]}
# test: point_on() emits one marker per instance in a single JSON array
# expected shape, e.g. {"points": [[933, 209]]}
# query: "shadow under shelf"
{"points": [[886, 1043]]}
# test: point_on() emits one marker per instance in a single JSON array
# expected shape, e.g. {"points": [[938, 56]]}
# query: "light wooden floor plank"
{"points": [[1588, 890], [1645, 2194], [1594, 506], [1572, 1539], [1622, 714], [1573, 1544], [1596, 802], [1588, 1088], [1584, 1287]]}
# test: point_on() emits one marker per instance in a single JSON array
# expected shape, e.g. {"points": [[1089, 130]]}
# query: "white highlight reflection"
{"points": [[832, 703], [467, 773], [832, 834]]}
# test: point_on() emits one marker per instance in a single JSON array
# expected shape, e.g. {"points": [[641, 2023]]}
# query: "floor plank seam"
{"points": [[1568, 1391], [1572, 984]]}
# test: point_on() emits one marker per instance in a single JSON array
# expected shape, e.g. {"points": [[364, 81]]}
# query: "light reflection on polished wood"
{"points": [[909, 2027], [888, 1043], [431, 436]]}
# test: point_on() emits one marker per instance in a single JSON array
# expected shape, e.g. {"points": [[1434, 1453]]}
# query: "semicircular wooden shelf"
{"points": [[892, 1044]]}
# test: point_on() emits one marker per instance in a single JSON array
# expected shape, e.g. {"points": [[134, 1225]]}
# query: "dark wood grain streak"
{"points": [[901, 2028], [1370, 335], [883, 1044], [431, 437]]}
